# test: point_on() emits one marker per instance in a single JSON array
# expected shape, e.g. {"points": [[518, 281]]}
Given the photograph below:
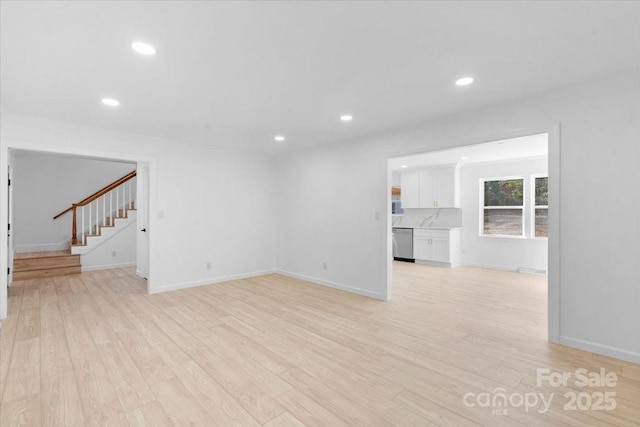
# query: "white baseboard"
{"points": [[43, 247], [531, 270], [434, 263], [209, 281], [524, 270], [108, 266], [491, 267], [334, 285], [313, 280], [618, 353]]}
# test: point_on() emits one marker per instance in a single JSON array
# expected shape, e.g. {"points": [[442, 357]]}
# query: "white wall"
{"points": [[499, 252], [45, 185], [218, 205], [327, 199], [331, 194]]}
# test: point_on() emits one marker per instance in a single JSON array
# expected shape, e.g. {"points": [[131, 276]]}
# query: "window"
{"points": [[541, 206], [503, 207]]}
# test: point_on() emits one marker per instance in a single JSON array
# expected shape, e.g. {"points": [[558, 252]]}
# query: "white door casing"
{"points": [[9, 230], [142, 238]]}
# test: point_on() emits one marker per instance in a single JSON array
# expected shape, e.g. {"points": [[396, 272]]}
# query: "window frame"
{"points": [[522, 208], [534, 206]]}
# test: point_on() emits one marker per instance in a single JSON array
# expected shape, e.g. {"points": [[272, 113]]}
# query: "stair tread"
{"points": [[45, 254], [46, 267]]}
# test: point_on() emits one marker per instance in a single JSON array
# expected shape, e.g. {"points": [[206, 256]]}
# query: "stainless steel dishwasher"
{"points": [[403, 244]]}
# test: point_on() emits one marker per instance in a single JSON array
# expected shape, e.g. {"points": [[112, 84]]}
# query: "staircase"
{"points": [[96, 219], [36, 265], [102, 233]]}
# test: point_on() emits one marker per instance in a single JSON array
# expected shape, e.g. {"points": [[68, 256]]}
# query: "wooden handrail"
{"points": [[91, 198], [98, 193]]}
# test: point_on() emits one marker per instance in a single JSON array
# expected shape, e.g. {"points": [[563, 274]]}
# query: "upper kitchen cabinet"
{"points": [[439, 188], [410, 190], [436, 187]]}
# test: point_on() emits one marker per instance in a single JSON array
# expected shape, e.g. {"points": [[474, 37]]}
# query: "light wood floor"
{"points": [[95, 349]]}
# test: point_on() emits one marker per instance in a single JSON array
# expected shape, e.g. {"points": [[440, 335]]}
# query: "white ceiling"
{"points": [[506, 149], [238, 73]]}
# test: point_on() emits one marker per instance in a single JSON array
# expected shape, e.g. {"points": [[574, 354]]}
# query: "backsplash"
{"points": [[443, 217]]}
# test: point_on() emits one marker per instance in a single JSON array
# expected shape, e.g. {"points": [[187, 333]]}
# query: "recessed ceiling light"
{"points": [[346, 118], [143, 48], [110, 102], [464, 81], [279, 138], [464, 158], [404, 166]]}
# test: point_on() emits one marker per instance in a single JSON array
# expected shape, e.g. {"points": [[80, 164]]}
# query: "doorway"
{"points": [[484, 233], [147, 164]]}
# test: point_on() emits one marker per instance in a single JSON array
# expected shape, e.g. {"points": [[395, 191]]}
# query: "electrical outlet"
{"points": [[324, 266], [113, 253], [209, 265], [376, 215], [160, 214]]}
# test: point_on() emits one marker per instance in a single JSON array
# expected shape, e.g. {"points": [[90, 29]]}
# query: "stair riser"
{"points": [[103, 230], [42, 263], [94, 240], [50, 272], [111, 222]]}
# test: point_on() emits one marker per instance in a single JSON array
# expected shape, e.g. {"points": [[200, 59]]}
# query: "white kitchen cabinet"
{"points": [[428, 188], [439, 187], [422, 249], [439, 247], [410, 190], [447, 187], [431, 188]]}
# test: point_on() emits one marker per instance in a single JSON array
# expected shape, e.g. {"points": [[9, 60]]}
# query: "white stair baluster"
{"points": [[97, 217], [82, 225], [104, 210], [89, 219], [111, 208], [117, 201]]}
